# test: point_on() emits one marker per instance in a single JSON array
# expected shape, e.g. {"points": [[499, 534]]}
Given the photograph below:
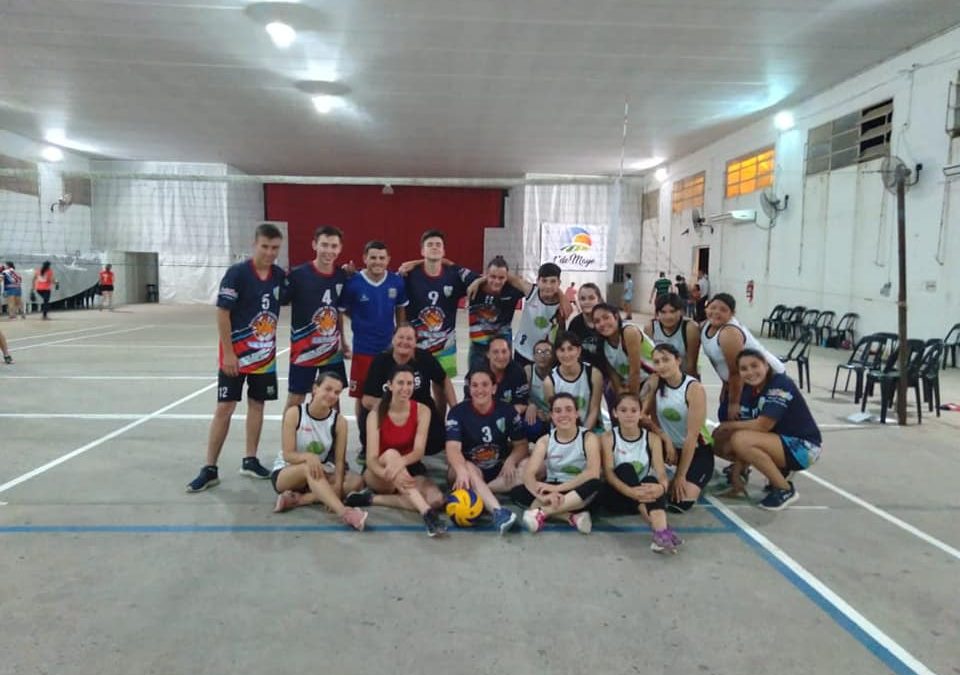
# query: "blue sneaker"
{"points": [[503, 520], [778, 499], [207, 478], [252, 467]]}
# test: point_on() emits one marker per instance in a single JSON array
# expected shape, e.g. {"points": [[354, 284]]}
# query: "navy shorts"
{"points": [[301, 378], [260, 386]]}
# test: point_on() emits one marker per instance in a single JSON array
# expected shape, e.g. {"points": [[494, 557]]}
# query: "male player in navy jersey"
{"points": [[434, 290], [491, 310], [486, 447], [375, 301], [316, 331], [248, 307]]}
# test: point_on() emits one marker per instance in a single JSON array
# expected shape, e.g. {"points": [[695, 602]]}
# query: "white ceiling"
{"points": [[438, 87]]}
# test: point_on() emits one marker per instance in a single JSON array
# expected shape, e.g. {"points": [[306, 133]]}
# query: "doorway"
{"points": [[701, 260]]}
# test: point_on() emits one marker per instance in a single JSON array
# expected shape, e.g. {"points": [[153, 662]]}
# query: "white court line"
{"points": [[125, 345], [823, 590], [103, 439], [84, 337], [135, 416], [890, 518], [43, 336]]}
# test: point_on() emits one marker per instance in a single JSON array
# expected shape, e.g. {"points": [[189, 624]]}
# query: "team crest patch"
{"points": [[392, 293], [501, 424], [276, 292], [780, 393], [448, 291], [339, 288]]}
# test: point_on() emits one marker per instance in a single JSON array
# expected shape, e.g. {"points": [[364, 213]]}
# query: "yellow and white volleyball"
{"points": [[464, 507]]}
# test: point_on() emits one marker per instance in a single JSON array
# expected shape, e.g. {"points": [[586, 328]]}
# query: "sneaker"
{"points": [[679, 507], [355, 518], [778, 499], [362, 497], [286, 501], [434, 525], [675, 538], [581, 521], [744, 475], [663, 541], [253, 468], [503, 520], [7, 359], [533, 520], [207, 479], [786, 473]]}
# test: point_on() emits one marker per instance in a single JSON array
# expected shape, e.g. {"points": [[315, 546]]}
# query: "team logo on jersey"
{"points": [[541, 322], [486, 313], [501, 424], [392, 293], [339, 288], [276, 293], [448, 291], [671, 415], [316, 447], [264, 326], [485, 455], [229, 293], [432, 318], [579, 241], [325, 320]]}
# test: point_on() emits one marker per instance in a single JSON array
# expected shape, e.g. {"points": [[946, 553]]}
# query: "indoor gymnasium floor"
{"points": [[108, 566]]}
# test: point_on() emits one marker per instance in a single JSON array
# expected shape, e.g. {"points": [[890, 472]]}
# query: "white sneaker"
{"points": [[533, 520], [581, 521]]}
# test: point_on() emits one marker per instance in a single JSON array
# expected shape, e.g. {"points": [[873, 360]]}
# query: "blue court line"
{"points": [[889, 659], [193, 529]]}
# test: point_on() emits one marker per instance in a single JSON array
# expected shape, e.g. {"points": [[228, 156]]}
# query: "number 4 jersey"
{"points": [[315, 330], [254, 305]]}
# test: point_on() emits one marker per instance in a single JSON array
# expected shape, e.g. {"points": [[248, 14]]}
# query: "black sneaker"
{"points": [[253, 468], [786, 473], [778, 499], [744, 475], [359, 498], [207, 479], [7, 359], [435, 526]]}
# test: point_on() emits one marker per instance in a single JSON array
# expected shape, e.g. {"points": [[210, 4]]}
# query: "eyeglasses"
{"points": [[542, 352]]}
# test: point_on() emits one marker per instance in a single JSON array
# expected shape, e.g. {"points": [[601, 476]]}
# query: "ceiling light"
{"points": [[661, 174], [52, 154], [783, 120], [282, 34], [58, 136], [324, 103], [646, 163]]}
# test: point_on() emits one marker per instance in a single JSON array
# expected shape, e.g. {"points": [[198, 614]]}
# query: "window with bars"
{"points": [[750, 172], [857, 137], [688, 192], [26, 184]]}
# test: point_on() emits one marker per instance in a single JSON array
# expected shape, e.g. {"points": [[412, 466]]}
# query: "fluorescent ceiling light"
{"points": [[646, 163], [324, 103], [52, 154], [281, 34], [661, 174], [783, 120], [58, 136]]}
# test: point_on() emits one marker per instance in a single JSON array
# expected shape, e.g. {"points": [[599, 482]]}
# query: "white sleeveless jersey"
{"points": [[536, 321], [711, 347], [678, 338], [635, 452], [316, 436], [536, 390], [672, 410], [565, 460], [580, 388], [617, 356]]}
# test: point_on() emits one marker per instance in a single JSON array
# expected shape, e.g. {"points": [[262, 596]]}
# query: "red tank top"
{"points": [[399, 438], [44, 280], [106, 278]]}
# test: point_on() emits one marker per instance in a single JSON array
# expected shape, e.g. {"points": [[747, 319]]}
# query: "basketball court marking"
{"points": [[142, 419], [84, 337], [44, 336], [881, 645]]}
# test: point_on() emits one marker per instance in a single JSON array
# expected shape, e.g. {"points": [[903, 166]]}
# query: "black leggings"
{"points": [[616, 501], [586, 491], [45, 306]]}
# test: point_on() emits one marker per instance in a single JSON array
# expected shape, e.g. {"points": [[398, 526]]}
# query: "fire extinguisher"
{"points": [[750, 291]]}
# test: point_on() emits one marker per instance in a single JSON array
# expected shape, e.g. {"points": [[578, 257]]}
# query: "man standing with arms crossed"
{"points": [[248, 307]]}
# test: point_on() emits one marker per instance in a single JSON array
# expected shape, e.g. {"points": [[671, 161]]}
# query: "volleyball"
{"points": [[464, 507]]}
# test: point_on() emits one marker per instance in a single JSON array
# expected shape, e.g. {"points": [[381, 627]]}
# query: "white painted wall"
{"points": [[836, 245]]}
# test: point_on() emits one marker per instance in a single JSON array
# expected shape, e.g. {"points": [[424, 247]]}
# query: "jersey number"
{"points": [[326, 297], [265, 301], [486, 435], [433, 296]]}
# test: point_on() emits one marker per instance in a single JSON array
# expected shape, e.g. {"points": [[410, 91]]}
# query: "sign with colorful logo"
{"points": [[574, 247]]}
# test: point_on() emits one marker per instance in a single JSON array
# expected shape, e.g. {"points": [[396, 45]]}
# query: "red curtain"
{"points": [[364, 213]]}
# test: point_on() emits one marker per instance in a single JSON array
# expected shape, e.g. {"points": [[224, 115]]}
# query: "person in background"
{"points": [[248, 308], [13, 291], [683, 290], [106, 287], [628, 296], [660, 287], [571, 294], [43, 283], [702, 288]]}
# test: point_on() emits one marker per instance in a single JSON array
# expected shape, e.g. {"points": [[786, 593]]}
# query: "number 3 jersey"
{"points": [[485, 439], [254, 306], [315, 319]]}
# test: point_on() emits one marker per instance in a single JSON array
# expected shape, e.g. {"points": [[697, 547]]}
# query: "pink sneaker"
{"points": [[581, 521], [286, 501], [355, 518], [533, 519]]}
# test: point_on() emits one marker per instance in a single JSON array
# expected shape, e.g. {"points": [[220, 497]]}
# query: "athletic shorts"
{"points": [[359, 367], [586, 491], [800, 454], [106, 289], [701, 468], [301, 378], [329, 468], [260, 386], [12, 292]]}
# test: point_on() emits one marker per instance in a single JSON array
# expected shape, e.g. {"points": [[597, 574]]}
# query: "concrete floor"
{"points": [[107, 566]]}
